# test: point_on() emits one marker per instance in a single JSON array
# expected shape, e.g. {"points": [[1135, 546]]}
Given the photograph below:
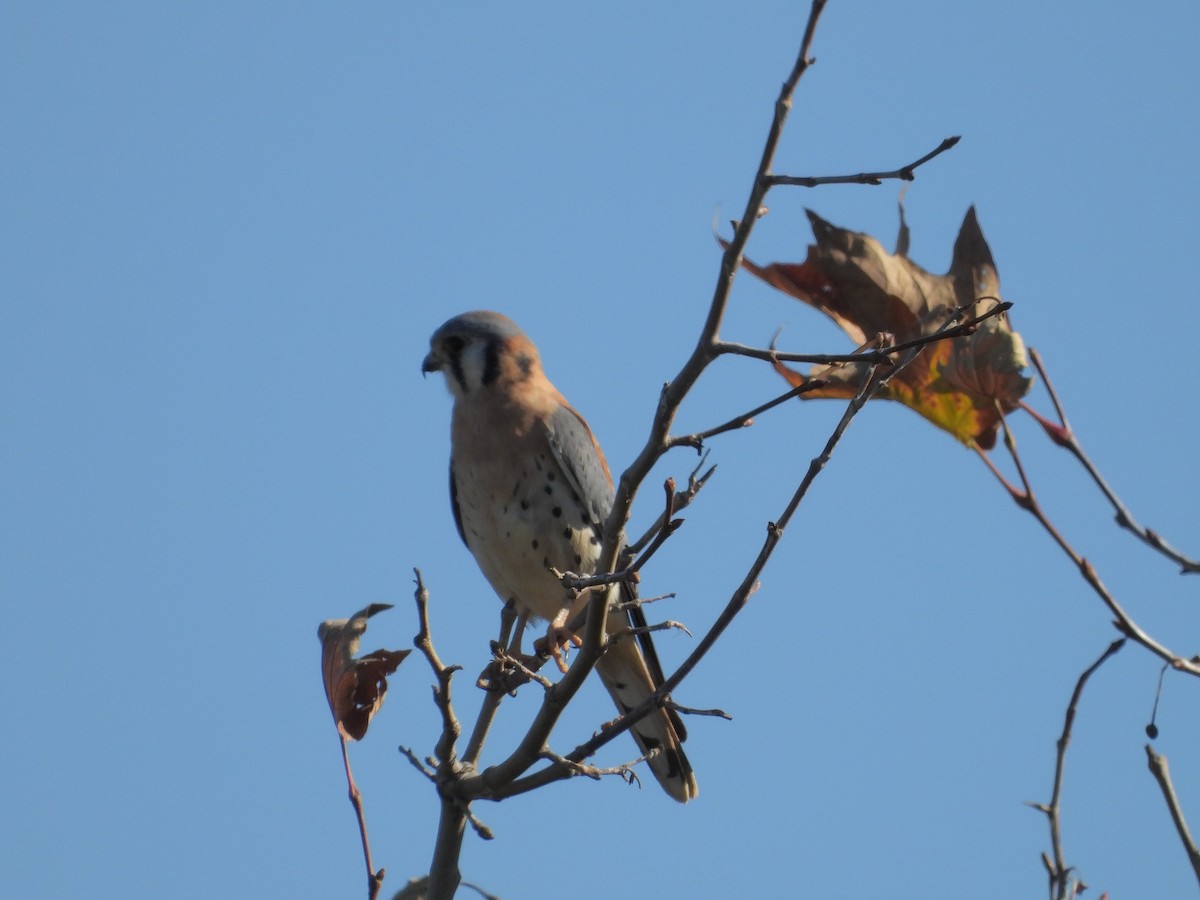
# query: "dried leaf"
{"points": [[869, 292], [355, 688]]}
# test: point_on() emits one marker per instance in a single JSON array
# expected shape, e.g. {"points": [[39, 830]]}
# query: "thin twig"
{"points": [[624, 771], [682, 499], [1026, 499], [704, 351], [904, 173], [692, 711], [1065, 437], [1158, 768], [666, 527], [1060, 874], [668, 625], [635, 602], [407, 753], [698, 438], [445, 674], [444, 874], [491, 700], [879, 356], [530, 674], [374, 878], [480, 829]]}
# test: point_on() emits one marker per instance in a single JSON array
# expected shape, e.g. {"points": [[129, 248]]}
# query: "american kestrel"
{"points": [[530, 490]]}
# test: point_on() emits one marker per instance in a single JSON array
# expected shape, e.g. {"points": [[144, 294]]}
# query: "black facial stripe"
{"points": [[456, 370], [491, 362]]}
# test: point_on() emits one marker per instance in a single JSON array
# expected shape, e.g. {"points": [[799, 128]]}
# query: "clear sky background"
{"points": [[228, 230]]}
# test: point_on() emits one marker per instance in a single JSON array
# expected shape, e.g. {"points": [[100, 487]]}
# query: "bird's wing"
{"points": [[578, 454]]}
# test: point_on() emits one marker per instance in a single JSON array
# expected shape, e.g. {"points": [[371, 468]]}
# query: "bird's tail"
{"points": [[624, 673]]}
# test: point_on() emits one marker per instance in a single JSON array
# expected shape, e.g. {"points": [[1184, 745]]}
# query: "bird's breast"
{"points": [[521, 519]]}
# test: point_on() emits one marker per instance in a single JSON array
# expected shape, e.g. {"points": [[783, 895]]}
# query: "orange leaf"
{"points": [[355, 688], [869, 292]]}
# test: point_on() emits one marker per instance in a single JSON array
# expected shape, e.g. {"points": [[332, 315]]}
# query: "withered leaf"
{"points": [[355, 688], [955, 383]]}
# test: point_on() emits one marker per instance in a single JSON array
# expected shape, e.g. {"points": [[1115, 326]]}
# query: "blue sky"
{"points": [[228, 230]]}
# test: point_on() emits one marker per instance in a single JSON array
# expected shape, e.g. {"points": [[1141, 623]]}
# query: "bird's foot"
{"points": [[556, 644]]}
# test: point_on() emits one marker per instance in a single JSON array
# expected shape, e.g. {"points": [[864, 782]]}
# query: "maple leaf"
{"points": [[355, 688], [955, 383]]}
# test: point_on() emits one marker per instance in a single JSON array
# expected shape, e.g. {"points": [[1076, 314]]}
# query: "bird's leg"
{"points": [[514, 647], [508, 615], [497, 675], [559, 637]]}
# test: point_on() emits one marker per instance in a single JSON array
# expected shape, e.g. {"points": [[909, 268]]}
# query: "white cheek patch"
{"points": [[467, 369]]}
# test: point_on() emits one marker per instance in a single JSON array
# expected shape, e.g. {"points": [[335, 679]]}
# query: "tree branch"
{"points": [[1158, 768], [697, 439], [704, 351], [681, 500], [1062, 885], [1063, 435], [878, 356], [444, 875], [444, 674], [374, 878], [1026, 499], [495, 691], [904, 173]]}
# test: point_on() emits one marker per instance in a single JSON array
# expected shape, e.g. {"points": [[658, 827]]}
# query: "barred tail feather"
{"points": [[624, 673]]}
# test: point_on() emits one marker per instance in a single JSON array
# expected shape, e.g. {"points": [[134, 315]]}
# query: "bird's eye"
{"points": [[454, 343]]}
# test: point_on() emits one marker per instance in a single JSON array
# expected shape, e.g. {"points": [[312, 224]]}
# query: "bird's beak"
{"points": [[431, 364]]}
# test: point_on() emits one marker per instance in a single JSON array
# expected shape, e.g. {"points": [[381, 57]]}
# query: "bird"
{"points": [[530, 490]]}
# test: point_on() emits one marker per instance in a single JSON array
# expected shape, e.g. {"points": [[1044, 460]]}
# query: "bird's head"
{"points": [[476, 350]]}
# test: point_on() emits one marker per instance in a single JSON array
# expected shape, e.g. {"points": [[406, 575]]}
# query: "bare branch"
{"points": [[666, 527], [904, 173], [1158, 768], [444, 874], [648, 629], [1062, 885], [1026, 499], [690, 711], [444, 674], [624, 771], [374, 878], [491, 702], [879, 356], [480, 829], [698, 438], [682, 500], [635, 602], [704, 351], [412, 757], [529, 674], [1063, 435]]}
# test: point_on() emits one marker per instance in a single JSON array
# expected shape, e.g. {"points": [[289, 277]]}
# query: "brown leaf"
{"points": [[869, 292], [355, 688]]}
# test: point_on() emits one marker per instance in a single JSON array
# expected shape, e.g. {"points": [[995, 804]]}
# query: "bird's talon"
{"points": [[556, 645]]}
